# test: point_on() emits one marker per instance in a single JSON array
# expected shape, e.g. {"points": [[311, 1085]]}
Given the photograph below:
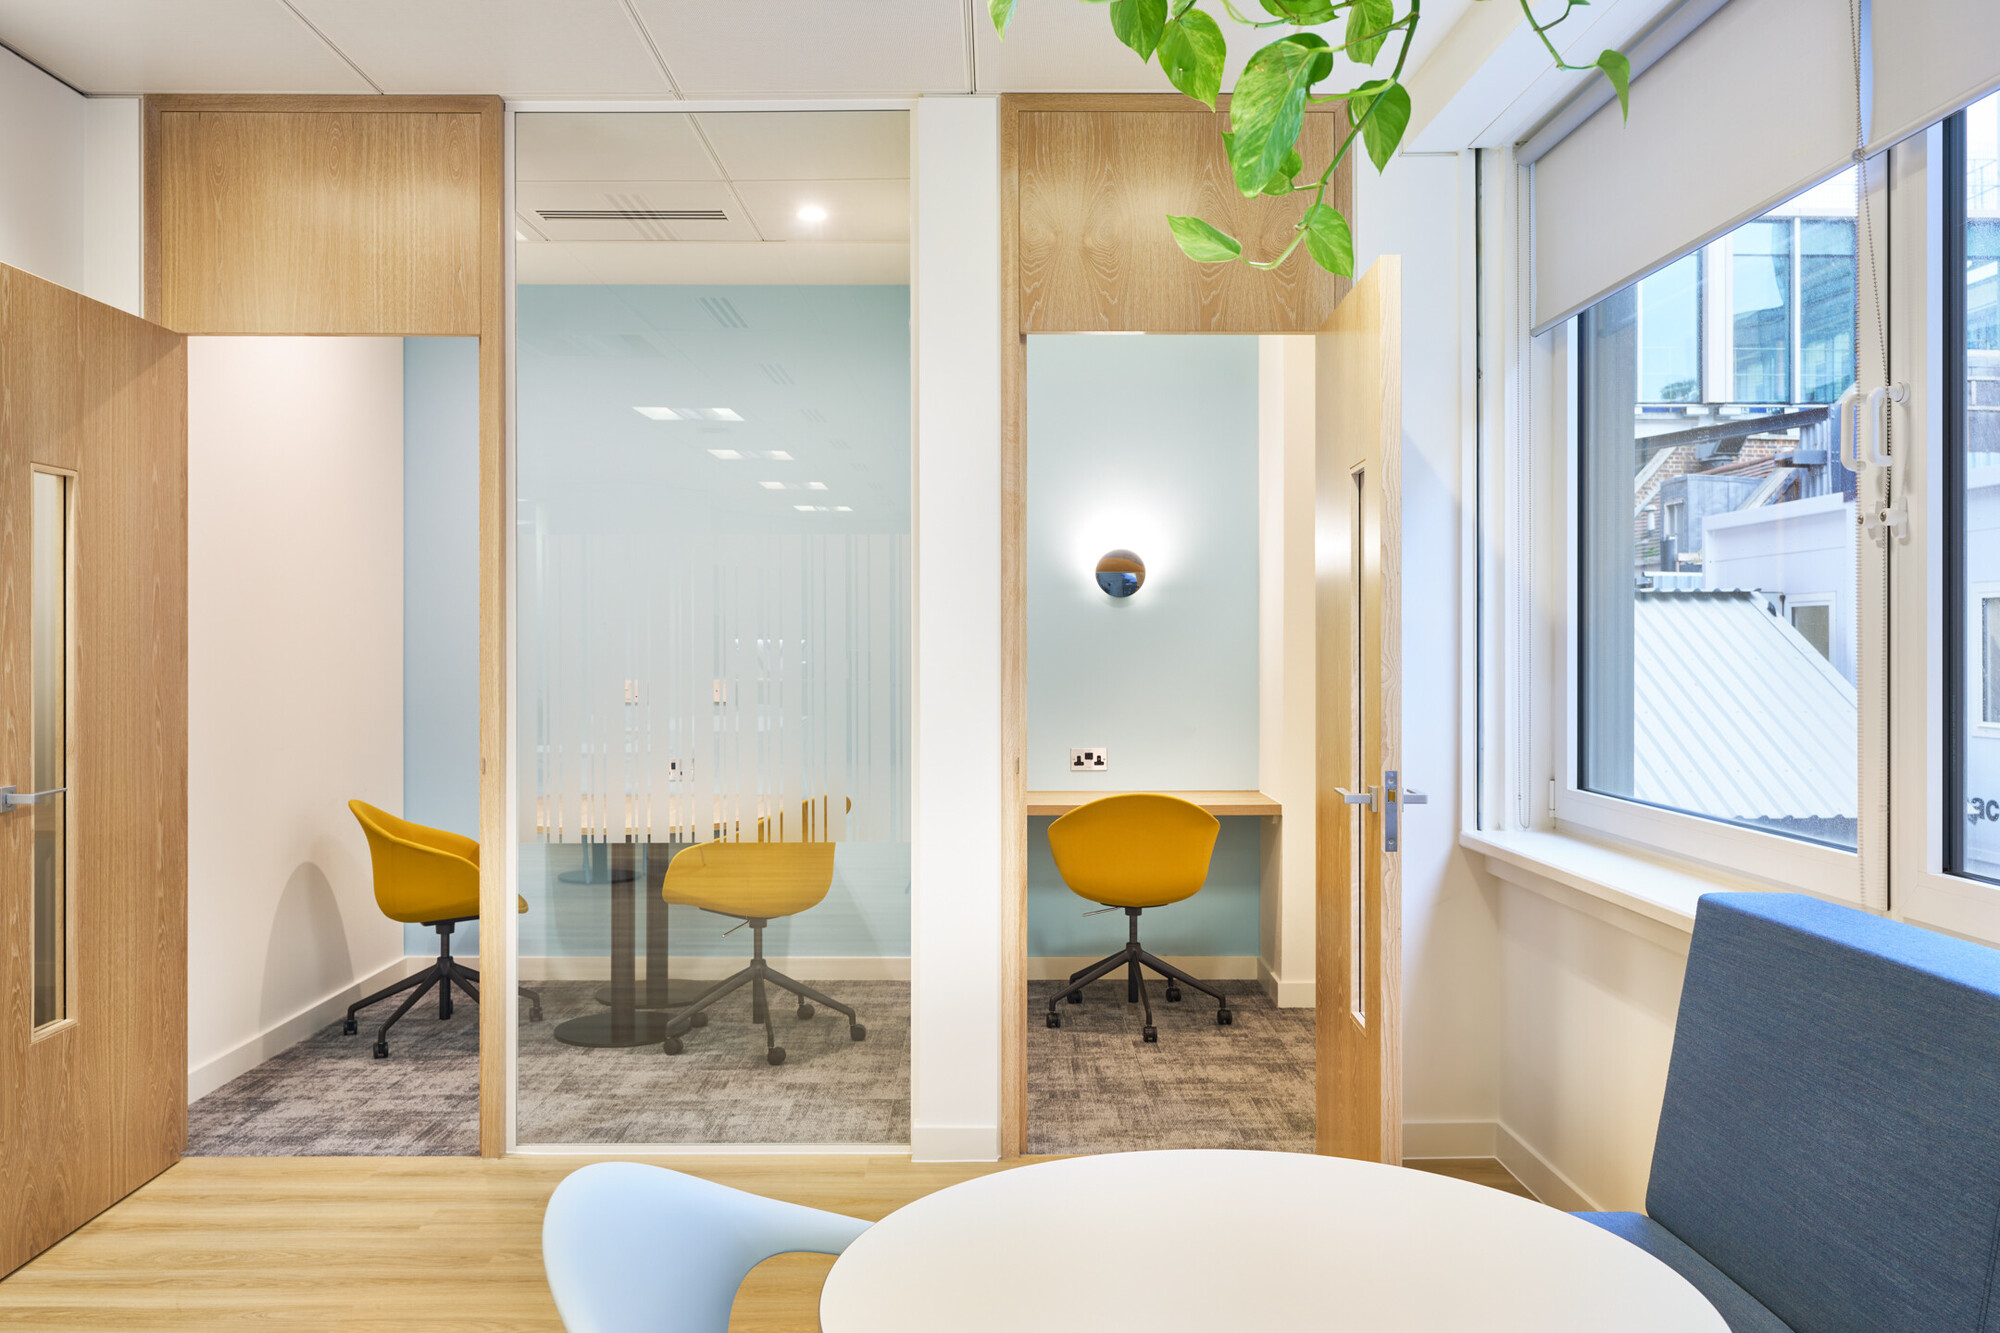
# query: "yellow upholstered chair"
{"points": [[424, 876], [1135, 851], [754, 882]]}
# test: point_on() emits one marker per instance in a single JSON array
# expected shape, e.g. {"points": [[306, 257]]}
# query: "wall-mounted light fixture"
{"points": [[1120, 572]]}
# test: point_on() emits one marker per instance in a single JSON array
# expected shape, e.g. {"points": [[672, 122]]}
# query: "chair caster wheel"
{"points": [[1173, 995], [535, 1014], [1076, 997], [1055, 1020], [381, 1050], [672, 1046], [1151, 1033], [698, 1021], [855, 1032], [776, 1055], [1224, 1017], [350, 1027], [805, 1011]]}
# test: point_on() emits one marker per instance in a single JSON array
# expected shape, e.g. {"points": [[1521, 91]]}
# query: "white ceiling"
{"points": [[758, 169], [526, 49]]}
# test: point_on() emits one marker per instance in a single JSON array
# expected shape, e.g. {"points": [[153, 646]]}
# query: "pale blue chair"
{"points": [[630, 1248]]}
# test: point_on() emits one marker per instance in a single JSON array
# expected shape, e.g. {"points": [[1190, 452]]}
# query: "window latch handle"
{"points": [[10, 797]]}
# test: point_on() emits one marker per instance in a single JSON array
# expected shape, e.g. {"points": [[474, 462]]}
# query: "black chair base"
{"points": [[755, 975], [1132, 958], [445, 973]]}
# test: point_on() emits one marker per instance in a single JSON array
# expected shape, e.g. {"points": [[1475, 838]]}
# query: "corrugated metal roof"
{"points": [[1735, 714]]}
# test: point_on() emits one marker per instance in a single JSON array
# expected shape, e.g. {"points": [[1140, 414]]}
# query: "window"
{"points": [[1971, 487], [1716, 566], [48, 669]]}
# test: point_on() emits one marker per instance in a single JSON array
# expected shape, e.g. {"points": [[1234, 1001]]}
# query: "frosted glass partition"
{"points": [[712, 657]]}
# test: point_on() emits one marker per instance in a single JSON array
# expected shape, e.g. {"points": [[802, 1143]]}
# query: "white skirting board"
{"points": [[1284, 993], [955, 1143], [215, 1071]]}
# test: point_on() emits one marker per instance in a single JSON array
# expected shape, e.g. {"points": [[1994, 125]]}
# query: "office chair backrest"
{"points": [[421, 873], [640, 1249], [1140, 849], [751, 879]]}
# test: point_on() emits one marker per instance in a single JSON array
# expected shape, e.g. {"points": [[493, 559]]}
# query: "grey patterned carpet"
{"points": [[1095, 1086]]}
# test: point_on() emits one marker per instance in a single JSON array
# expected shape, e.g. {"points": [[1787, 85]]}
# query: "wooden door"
{"points": [[93, 702], [1359, 797]]}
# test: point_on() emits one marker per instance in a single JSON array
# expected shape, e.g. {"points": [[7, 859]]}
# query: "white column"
{"points": [[955, 795]]}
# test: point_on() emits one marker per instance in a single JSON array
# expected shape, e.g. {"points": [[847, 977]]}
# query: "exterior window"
{"points": [[1971, 488], [1716, 570]]}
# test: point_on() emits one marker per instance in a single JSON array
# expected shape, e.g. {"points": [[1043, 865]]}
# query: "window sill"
{"points": [[1565, 866]]}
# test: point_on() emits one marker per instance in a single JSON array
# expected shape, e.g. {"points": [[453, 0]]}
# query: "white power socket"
{"points": [[1092, 759], [679, 770]]}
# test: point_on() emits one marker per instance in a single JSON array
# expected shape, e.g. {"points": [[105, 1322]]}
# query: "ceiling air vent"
{"points": [[722, 312], [632, 215]]}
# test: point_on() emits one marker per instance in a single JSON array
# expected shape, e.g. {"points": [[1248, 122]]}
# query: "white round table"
{"points": [[1246, 1240]]}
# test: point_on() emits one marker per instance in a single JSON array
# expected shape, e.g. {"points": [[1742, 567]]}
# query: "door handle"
{"points": [[1396, 797], [9, 797], [1364, 799]]}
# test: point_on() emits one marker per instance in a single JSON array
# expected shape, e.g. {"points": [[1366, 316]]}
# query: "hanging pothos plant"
{"points": [[1267, 107]]}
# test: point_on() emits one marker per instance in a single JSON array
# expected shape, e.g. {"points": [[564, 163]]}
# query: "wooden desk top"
{"points": [[1215, 802]]}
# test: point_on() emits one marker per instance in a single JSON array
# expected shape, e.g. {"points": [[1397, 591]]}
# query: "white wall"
{"points": [[70, 185], [955, 803], [1451, 979], [295, 705]]}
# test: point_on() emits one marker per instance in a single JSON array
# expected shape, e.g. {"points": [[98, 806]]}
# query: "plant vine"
{"points": [[1268, 106]]}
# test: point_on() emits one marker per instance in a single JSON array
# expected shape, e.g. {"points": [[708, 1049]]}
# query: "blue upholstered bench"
{"points": [[1828, 1158]]}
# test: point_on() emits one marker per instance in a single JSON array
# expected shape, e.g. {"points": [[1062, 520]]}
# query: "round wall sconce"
{"points": [[1120, 573]]}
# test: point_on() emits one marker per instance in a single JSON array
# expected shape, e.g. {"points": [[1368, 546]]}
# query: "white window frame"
{"points": [[1977, 596], [1793, 601]]}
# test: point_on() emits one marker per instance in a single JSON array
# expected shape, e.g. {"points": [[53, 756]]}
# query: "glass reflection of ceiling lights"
{"points": [[688, 413]]}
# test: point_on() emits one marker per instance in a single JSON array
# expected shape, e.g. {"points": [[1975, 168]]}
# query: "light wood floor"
{"points": [[360, 1244]]}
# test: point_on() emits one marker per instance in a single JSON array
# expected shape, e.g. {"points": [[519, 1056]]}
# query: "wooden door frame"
{"points": [[496, 895], [1013, 557]]}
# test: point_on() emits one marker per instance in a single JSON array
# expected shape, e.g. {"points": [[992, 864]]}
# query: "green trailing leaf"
{"points": [[1619, 70], [1281, 179], [1383, 116], [1003, 14], [1139, 23], [1268, 107], [1191, 53], [1303, 13], [1328, 240], [1367, 25], [1203, 243], [1180, 7]]}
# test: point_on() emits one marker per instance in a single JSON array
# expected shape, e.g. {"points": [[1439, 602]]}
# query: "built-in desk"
{"points": [[1215, 802]]}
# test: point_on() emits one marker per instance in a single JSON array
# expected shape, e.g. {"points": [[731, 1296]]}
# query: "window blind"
{"points": [[1752, 106], [1931, 58]]}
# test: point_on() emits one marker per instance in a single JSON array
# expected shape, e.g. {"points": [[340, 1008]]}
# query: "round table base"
{"points": [[679, 995], [645, 1027]]}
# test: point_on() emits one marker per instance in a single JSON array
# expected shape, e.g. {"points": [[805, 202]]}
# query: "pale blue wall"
{"points": [[441, 597], [1146, 442]]}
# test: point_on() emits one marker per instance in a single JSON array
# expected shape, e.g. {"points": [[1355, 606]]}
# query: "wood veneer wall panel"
{"points": [[1094, 252], [313, 221]]}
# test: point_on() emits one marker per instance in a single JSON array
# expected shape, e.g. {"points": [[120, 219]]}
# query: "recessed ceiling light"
{"points": [[812, 213], [815, 485], [725, 453], [778, 456], [658, 413], [722, 414], [805, 509], [843, 509], [772, 485]]}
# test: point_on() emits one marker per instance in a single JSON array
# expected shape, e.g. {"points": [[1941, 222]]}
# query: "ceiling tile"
{"points": [[188, 46], [1062, 46], [811, 145], [782, 47], [609, 146], [855, 210], [725, 263], [518, 48], [538, 198]]}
